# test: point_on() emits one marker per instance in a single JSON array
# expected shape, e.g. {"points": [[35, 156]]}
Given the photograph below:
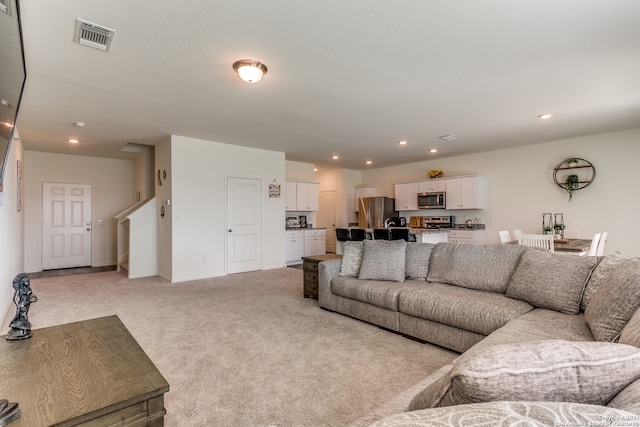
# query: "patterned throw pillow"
{"points": [[383, 260], [417, 260], [541, 371], [602, 270], [351, 259], [549, 280], [615, 301]]}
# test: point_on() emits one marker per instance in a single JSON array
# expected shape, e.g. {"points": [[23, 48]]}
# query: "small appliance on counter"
{"points": [[433, 222], [293, 222]]}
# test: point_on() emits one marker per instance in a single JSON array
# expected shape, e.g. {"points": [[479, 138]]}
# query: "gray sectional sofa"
{"points": [[542, 336]]}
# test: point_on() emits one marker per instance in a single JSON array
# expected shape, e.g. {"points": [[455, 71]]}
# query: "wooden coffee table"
{"points": [[89, 373]]}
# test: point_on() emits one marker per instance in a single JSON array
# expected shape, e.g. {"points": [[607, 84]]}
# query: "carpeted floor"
{"points": [[246, 349]]}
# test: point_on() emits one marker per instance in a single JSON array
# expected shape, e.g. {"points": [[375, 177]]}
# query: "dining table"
{"points": [[572, 246], [578, 247]]}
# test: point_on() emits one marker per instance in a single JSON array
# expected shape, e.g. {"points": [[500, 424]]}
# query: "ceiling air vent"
{"points": [[93, 35], [4, 7]]}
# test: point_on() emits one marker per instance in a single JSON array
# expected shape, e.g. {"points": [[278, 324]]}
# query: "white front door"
{"points": [[244, 225], [66, 225], [327, 215]]}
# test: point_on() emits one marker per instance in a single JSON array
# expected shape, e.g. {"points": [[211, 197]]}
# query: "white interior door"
{"points": [[66, 225], [327, 217], [244, 225]]}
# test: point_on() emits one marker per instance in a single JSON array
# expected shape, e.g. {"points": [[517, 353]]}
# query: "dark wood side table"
{"points": [[310, 269], [91, 373]]}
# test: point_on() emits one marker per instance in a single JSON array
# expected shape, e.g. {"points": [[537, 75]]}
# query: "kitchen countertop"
{"points": [[302, 229]]}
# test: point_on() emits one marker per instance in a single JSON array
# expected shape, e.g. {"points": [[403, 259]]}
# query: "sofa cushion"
{"points": [[553, 370], [615, 301], [538, 414], [468, 309], [601, 271], [351, 259], [417, 260], [380, 293], [482, 267], [631, 332], [383, 260], [628, 399], [539, 324], [549, 280]]}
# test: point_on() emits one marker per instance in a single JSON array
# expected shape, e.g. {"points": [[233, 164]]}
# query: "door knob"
{"points": [[230, 230]]}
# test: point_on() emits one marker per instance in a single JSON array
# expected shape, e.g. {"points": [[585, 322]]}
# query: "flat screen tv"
{"points": [[13, 75]]}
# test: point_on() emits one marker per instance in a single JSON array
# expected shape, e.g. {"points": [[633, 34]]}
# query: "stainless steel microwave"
{"points": [[432, 200]]}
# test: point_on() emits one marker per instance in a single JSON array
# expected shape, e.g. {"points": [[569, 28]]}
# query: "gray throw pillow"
{"points": [[351, 259], [383, 260], [549, 280], [615, 301], [481, 267], [628, 399], [417, 260], [601, 271], [553, 370], [631, 333]]}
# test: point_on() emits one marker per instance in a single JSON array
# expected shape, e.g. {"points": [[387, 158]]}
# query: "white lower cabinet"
{"points": [[460, 236], [315, 242], [301, 243], [294, 246]]}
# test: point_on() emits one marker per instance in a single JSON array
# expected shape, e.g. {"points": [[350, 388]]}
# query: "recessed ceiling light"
{"points": [[79, 124], [315, 169], [449, 137], [433, 150], [73, 141], [368, 162], [402, 142], [7, 124], [544, 116], [4, 102], [335, 157]]}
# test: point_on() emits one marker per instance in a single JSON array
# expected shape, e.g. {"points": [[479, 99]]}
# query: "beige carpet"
{"points": [[246, 349]]}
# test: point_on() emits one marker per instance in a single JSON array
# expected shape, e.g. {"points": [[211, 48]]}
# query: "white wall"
{"points": [[163, 193], [520, 187], [198, 174], [112, 192], [11, 230]]}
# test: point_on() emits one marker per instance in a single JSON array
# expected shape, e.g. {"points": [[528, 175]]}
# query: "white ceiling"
{"points": [[345, 77]]}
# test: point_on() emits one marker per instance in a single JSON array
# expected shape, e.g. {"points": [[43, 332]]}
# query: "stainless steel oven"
{"points": [[435, 200]]}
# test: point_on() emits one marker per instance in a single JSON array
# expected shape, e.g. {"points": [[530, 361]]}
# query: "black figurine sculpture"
{"points": [[20, 325]]}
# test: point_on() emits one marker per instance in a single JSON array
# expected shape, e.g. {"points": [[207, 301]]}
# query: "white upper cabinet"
{"points": [[302, 196], [464, 193], [432, 186], [407, 196], [291, 197]]}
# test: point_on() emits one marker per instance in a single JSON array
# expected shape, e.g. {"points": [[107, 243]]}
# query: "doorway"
{"points": [[327, 217], [66, 225], [244, 225]]}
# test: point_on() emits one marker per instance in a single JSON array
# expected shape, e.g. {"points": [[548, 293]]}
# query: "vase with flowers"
{"points": [[436, 173]]}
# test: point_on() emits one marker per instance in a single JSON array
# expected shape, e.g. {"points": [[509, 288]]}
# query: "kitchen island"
{"points": [[424, 235]]}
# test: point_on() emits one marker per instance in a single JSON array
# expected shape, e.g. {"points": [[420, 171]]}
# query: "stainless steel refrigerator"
{"points": [[373, 211]]}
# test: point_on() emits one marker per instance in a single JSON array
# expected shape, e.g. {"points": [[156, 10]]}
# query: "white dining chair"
{"points": [[603, 241], [544, 241], [571, 234], [517, 233], [505, 237], [595, 241]]}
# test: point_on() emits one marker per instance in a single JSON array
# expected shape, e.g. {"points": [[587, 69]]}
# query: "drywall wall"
{"points": [[112, 192], [198, 175], [520, 187]]}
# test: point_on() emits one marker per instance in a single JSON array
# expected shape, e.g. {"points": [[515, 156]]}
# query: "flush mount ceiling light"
{"points": [[250, 70], [449, 137], [544, 116]]}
